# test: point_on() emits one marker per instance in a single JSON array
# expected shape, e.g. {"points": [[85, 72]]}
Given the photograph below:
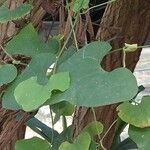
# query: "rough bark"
{"points": [[11, 129], [124, 21]]}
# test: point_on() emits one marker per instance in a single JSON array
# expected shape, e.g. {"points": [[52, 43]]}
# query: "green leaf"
{"points": [[7, 73], [29, 44], [80, 4], [63, 108], [141, 136], [17, 13], [38, 68], [94, 128], [82, 143], [30, 95], [90, 84], [34, 143], [137, 115]]}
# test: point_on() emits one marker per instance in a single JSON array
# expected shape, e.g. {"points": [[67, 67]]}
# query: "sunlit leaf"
{"points": [[34, 143], [30, 95], [137, 115], [82, 143]]}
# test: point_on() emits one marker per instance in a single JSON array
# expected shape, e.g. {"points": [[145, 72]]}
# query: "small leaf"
{"points": [[141, 136], [91, 85], [93, 128], [30, 95], [17, 13], [63, 108], [137, 115], [34, 143], [81, 143], [80, 4], [7, 73]]}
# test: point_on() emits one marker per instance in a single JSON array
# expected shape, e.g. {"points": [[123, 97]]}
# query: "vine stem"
{"points": [[63, 47], [52, 119], [96, 6], [11, 56], [95, 119]]}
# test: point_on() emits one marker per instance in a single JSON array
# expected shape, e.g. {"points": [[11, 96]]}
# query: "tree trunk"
{"points": [[124, 21], [11, 129]]}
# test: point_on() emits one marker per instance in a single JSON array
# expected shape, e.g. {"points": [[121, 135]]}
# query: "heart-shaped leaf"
{"points": [[38, 68], [82, 143], [17, 13], [34, 143], [141, 136], [7, 73], [29, 44], [137, 115], [30, 95], [90, 84]]}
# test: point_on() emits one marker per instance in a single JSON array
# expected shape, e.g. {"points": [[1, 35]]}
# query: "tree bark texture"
{"points": [[124, 21], [11, 129]]}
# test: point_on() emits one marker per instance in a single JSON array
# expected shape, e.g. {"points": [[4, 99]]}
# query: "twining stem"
{"points": [[63, 47], [95, 119], [13, 60]]}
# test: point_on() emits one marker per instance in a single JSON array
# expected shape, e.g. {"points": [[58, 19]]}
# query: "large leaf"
{"points": [[90, 84], [82, 143], [93, 128], [36, 68], [137, 115], [30, 95], [17, 13], [34, 143], [28, 43], [141, 136], [7, 73]]}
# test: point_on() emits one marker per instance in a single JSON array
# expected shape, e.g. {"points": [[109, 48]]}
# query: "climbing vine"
{"points": [[76, 79]]}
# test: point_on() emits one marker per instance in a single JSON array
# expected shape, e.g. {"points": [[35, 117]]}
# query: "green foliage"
{"points": [[8, 73], [29, 44], [136, 114], [94, 128], [76, 80], [34, 143], [36, 69], [40, 93], [81, 143], [80, 4], [17, 13], [140, 136], [90, 84], [63, 108]]}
